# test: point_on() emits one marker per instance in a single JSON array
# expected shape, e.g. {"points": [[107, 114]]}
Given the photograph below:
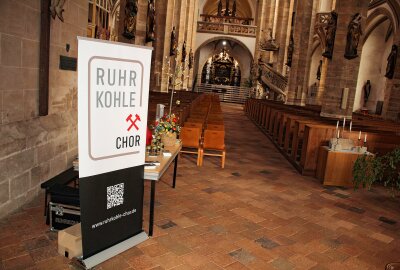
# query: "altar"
{"points": [[335, 168]]}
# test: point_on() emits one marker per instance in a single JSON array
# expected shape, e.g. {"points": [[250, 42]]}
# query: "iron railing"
{"points": [[226, 19], [274, 78], [231, 94], [227, 28]]}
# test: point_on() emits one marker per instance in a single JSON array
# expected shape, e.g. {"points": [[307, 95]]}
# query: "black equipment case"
{"points": [[64, 207]]}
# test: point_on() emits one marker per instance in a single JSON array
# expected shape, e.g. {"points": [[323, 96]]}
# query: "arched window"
{"points": [[98, 18]]}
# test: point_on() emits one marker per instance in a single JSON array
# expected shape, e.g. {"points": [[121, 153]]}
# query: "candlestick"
{"points": [[338, 133], [337, 124], [351, 124], [344, 122], [365, 138], [359, 135]]}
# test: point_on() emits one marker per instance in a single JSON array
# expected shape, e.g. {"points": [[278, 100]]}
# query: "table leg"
{"points": [[175, 167], [45, 202], [152, 198]]}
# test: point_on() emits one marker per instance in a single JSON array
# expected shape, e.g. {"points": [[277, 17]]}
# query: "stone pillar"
{"points": [[191, 37], [282, 32], [158, 45], [324, 6], [391, 104], [181, 26], [268, 24], [302, 35], [168, 24], [322, 81], [120, 28], [260, 22], [140, 34], [341, 74], [140, 38], [290, 24]]}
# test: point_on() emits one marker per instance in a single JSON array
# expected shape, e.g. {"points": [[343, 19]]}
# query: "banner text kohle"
{"points": [[122, 78]]}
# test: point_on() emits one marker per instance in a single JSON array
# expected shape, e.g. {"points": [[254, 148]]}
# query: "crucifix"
{"points": [[48, 8]]}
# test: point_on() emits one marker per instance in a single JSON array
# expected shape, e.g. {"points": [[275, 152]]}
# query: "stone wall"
{"points": [[342, 73], [32, 148], [391, 108], [182, 15]]}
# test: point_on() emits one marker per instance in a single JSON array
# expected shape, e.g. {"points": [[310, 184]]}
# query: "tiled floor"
{"points": [[257, 213]]}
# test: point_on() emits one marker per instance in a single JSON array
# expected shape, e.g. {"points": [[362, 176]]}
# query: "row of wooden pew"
{"points": [[187, 101], [298, 132], [203, 132]]}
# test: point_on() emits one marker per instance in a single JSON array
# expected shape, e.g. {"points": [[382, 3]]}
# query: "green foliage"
{"points": [[385, 169]]}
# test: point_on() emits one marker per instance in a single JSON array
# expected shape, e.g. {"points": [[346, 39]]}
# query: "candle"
{"points": [[344, 122], [359, 135], [338, 133], [351, 124], [365, 138], [337, 124]]}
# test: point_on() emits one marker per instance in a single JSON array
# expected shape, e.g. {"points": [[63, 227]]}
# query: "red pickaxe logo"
{"points": [[133, 122]]}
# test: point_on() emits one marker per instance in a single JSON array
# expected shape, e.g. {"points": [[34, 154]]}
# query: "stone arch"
{"points": [[375, 50], [375, 18], [241, 43], [244, 59]]}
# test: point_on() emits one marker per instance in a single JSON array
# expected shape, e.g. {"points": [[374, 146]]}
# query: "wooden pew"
{"points": [[300, 131], [290, 130], [314, 136]]}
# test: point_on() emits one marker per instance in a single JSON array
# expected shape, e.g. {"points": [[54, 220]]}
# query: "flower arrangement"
{"points": [[167, 124]]}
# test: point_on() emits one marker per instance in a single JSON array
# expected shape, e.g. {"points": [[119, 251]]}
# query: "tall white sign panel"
{"points": [[113, 89], [113, 93]]}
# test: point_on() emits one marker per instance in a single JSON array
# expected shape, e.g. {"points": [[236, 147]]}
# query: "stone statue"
{"points": [[173, 44], [184, 52], [234, 8], [290, 50], [191, 59], [259, 71], [219, 8], [57, 8], [391, 62], [151, 21], [319, 70], [227, 8], [354, 33], [367, 92], [330, 35], [131, 10]]}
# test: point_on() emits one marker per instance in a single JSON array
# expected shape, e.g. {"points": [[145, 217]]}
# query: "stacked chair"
{"points": [[188, 100], [203, 132]]}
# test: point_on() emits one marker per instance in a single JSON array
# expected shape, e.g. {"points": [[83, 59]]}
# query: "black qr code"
{"points": [[115, 195]]}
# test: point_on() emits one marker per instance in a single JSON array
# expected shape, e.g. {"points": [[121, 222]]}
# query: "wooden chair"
{"points": [[217, 117], [215, 122], [191, 141], [195, 120], [213, 143], [194, 125], [215, 127]]}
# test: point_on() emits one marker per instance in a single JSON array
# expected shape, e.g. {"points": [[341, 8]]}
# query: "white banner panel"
{"points": [[113, 93]]}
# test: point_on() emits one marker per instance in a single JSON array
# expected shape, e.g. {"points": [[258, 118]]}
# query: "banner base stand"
{"points": [[114, 250]]}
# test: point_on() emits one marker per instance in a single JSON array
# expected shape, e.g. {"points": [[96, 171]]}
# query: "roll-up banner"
{"points": [[113, 93]]}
